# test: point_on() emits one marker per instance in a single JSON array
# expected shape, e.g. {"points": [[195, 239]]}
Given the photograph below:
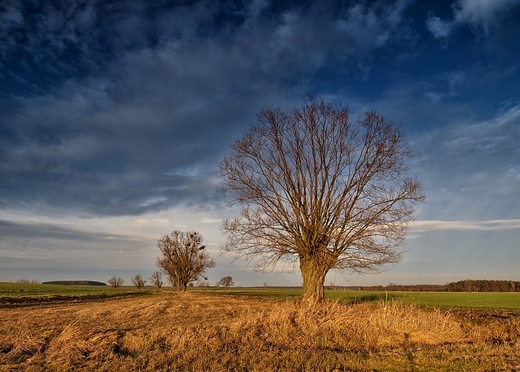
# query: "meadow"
{"points": [[245, 329], [26, 292], [18, 293], [473, 300]]}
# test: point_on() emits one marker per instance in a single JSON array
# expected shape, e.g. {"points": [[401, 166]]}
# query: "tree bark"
{"points": [[313, 273]]}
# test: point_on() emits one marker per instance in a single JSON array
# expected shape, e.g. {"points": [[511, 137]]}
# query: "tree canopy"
{"points": [[226, 281], [116, 282], [139, 281], [318, 189], [183, 257], [156, 279]]}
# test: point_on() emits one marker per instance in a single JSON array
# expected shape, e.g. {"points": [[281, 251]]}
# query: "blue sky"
{"points": [[115, 115]]}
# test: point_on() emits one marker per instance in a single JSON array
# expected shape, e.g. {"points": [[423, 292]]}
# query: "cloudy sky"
{"points": [[114, 116]]}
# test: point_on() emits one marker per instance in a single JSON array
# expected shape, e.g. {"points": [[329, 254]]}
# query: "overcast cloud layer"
{"points": [[115, 115]]}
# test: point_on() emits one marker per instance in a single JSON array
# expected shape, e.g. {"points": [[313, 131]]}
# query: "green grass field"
{"points": [[485, 300], [21, 291]]}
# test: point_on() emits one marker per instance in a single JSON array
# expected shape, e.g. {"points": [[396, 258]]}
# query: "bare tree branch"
{"points": [[183, 257], [315, 187], [156, 279], [116, 282], [138, 281]]}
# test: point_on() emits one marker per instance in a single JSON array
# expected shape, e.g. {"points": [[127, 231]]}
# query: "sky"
{"points": [[114, 116]]}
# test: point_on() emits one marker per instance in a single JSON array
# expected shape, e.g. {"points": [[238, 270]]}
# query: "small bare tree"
{"points": [[319, 190], [156, 279], [226, 281], [116, 282], [138, 281], [183, 258]]}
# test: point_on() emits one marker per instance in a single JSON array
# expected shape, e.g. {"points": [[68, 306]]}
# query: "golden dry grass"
{"points": [[194, 332]]}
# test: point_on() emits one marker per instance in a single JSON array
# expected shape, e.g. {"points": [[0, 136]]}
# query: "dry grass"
{"points": [[191, 332]]}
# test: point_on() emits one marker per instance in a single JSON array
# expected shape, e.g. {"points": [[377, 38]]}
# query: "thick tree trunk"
{"points": [[313, 273]]}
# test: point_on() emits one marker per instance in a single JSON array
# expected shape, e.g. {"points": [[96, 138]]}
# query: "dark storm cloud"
{"points": [[127, 107]]}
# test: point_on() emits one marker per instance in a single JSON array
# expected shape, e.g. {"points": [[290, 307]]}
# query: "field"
{"points": [[256, 330], [17, 293], [486, 300]]}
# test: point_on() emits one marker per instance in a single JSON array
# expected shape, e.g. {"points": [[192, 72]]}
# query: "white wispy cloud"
{"points": [[493, 225], [439, 28], [480, 15], [471, 170]]}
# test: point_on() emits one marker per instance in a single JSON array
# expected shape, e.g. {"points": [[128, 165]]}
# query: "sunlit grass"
{"points": [[192, 331]]}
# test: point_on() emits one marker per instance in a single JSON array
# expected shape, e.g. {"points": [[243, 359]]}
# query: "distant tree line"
{"points": [[75, 282], [484, 286], [460, 286]]}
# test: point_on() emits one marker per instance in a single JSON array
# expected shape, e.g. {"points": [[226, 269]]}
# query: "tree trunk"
{"points": [[313, 273]]}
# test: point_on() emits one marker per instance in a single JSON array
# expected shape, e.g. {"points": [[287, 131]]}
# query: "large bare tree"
{"points": [[320, 190], [183, 257]]}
